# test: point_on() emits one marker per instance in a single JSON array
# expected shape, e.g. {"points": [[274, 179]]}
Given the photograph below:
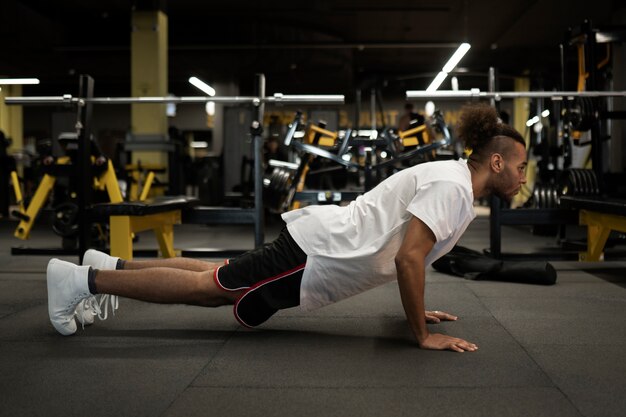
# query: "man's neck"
{"points": [[479, 178]]}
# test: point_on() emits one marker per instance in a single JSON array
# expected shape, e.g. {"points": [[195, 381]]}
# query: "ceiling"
{"points": [[331, 47]]}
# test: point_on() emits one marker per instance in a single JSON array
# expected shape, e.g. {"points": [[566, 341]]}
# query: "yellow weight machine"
{"points": [[317, 136], [414, 136], [106, 181]]}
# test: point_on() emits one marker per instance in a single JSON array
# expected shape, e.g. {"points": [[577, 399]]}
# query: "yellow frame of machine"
{"points": [[108, 181]]}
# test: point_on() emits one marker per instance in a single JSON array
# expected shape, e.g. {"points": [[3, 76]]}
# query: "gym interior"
{"points": [[155, 128]]}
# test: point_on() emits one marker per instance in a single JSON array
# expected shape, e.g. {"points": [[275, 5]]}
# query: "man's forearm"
{"points": [[411, 277]]}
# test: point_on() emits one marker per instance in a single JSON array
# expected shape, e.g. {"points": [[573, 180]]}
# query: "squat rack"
{"points": [[505, 216], [84, 109]]}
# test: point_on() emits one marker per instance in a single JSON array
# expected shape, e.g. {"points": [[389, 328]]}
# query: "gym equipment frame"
{"points": [[84, 108], [503, 216]]}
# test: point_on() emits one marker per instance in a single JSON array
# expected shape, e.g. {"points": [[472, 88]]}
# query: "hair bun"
{"points": [[477, 124]]}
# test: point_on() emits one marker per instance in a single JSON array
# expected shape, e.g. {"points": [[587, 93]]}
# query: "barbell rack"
{"points": [[499, 215], [85, 102]]}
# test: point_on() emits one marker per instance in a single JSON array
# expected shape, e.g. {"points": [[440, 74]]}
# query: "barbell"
{"points": [[277, 98], [499, 95]]}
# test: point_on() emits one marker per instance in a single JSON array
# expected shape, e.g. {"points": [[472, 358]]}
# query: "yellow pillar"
{"points": [[11, 121], [520, 116], [149, 78], [521, 106]]}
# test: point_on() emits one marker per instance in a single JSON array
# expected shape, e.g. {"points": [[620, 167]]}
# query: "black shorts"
{"points": [[271, 276]]}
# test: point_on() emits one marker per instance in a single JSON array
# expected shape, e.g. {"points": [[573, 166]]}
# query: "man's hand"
{"points": [[438, 316], [436, 341]]}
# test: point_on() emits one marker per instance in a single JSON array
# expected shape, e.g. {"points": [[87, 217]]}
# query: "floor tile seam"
{"points": [[531, 357], [27, 307], [517, 342], [200, 371], [215, 354], [114, 344], [373, 316], [488, 282], [571, 344], [571, 280], [22, 341], [573, 297], [376, 387]]}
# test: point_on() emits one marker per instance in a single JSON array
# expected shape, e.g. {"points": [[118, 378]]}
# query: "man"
{"points": [[408, 116], [325, 253]]}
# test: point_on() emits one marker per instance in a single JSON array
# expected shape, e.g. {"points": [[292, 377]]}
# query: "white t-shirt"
{"points": [[351, 249]]}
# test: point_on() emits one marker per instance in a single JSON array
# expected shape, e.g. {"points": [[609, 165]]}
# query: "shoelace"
{"points": [[83, 299], [105, 300], [90, 306], [99, 305]]}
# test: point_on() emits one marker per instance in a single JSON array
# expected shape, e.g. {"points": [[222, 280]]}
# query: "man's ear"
{"points": [[497, 162]]}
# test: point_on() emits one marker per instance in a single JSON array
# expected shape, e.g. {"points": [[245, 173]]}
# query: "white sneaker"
{"points": [[89, 308], [100, 260], [67, 286]]}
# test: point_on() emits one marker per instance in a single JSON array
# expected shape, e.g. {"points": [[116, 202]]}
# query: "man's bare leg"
{"points": [[165, 285], [188, 264]]}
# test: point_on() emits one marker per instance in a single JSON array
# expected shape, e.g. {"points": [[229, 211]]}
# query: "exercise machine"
{"points": [[65, 212], [284, 183]]}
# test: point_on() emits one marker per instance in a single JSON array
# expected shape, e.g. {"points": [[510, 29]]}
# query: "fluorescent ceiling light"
{"points": [[450, 65], [204, 87], [456, 57], [545, 113], [437, 81], [18, 81]]}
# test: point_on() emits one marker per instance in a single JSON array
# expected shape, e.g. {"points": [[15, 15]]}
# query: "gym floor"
{"points": [[544, 351]]}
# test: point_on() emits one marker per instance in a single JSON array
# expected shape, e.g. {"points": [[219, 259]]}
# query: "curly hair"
{"points": [[483, 132]]}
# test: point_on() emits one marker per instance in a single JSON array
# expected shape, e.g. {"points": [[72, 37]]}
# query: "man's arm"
{"points": [[410, 265]]}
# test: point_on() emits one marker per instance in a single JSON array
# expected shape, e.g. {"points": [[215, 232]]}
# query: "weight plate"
{"points": [[575, 189], [593, 182], [582, 181], [290, 176], [546, 196], [588, 181], [536, 197], [271, 196], [281, 186], [65, 217], [555, 196], [545, 202]]}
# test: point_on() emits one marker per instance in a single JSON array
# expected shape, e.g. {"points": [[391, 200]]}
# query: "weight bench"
{"points": [[600, 216], [126, 218]]}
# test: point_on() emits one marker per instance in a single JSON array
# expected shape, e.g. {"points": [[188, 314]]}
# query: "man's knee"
{"points": [[211, 294]]}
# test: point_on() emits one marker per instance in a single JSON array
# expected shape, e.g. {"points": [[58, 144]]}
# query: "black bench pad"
{"points": [[600, 205], [143, 208]]}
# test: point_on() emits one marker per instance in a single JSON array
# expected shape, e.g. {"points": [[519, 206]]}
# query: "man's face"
{"points": [[509, 181]]}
